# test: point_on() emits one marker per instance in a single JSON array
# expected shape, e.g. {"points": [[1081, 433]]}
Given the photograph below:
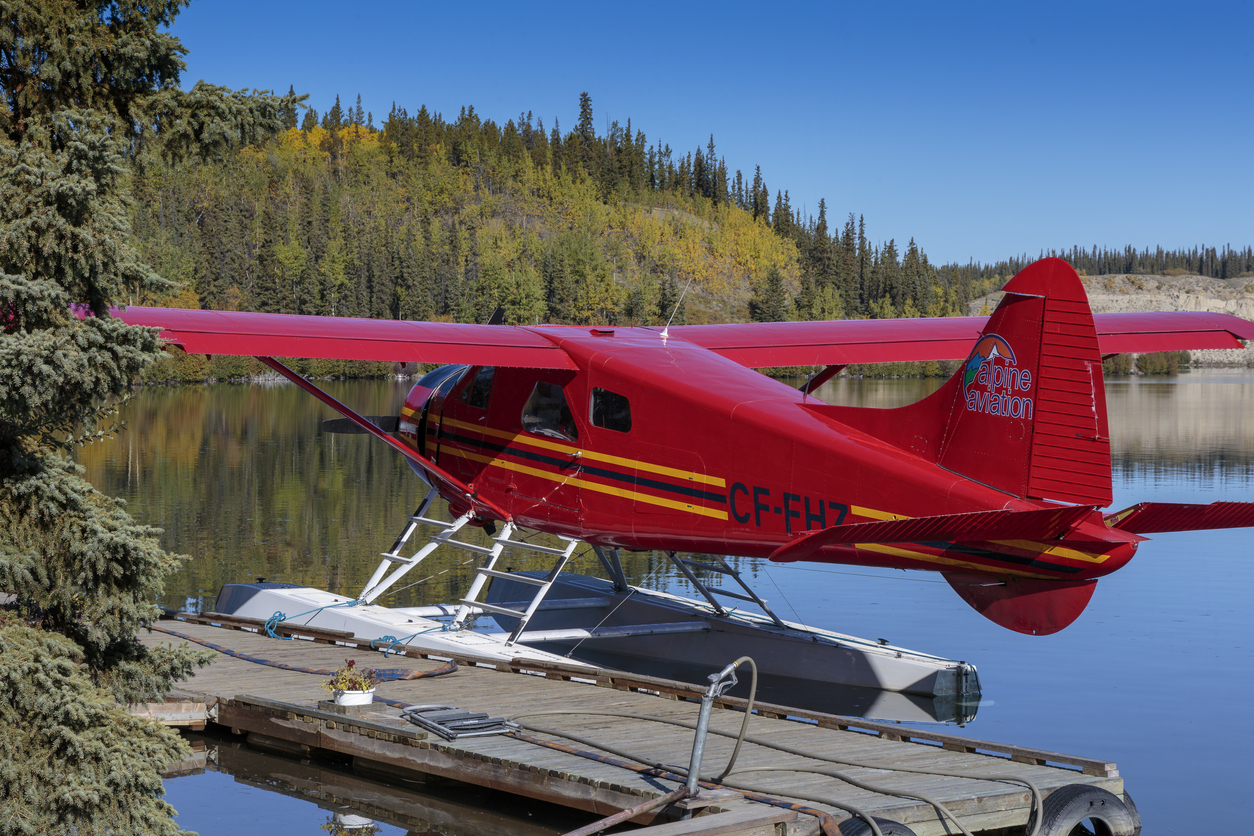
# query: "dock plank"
{"points": [[242, 694]]}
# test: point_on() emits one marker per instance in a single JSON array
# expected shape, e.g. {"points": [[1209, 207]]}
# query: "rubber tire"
{"points": [[1131, 805], [1067, 806], [858, 827]]}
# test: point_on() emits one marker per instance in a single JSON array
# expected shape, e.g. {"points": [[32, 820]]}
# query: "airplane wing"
{"points": [[755, 344], [342, 338], [763, 344]]}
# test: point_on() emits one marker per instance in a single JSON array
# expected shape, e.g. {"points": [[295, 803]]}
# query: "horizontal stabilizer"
{"points": [[1036, 608], [1154, 517], [1043, 524], [387, 423]]}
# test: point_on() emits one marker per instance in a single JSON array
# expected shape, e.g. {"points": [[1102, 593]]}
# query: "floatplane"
{"points": [[667, 439]]}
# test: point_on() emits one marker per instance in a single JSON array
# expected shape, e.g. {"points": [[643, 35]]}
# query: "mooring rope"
{"points": [[384, 674]]}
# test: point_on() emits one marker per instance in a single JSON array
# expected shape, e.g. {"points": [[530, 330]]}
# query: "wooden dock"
{"points": [[278, 709]]}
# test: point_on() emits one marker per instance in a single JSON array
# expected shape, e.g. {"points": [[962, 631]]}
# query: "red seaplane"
{"points": [[666, 438]]}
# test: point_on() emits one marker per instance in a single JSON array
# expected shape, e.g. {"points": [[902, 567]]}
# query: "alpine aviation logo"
{"points": [[993, 382]]}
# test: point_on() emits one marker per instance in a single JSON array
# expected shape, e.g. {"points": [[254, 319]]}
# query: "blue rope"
{"points": [[384, 674], [393, 641], [278, 618], [274, 621]]}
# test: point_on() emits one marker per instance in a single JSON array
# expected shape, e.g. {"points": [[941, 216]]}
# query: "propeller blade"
{"points": [[346, 426]]}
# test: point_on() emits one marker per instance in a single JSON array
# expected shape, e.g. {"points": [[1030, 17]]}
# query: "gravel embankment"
{"points": [[1129, 294]]}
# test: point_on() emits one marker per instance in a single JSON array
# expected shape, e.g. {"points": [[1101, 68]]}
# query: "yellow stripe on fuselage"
{"points": [[1056, 551], [591, 455], [585, 484], [982, 568], [859, 511]]}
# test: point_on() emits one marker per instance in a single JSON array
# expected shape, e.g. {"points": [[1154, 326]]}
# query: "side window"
{"points": [[476, 394], [547, 413], [610, 410]]}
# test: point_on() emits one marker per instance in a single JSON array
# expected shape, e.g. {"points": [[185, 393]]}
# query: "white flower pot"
{"points": [[349, 821], [354, 697]]}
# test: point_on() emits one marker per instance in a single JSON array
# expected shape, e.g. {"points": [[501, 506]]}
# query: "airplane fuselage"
{"points": [[666, 445]]}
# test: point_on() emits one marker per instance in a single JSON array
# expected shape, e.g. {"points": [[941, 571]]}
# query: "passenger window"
{"points": [[611, 411], [547, 413], [476, 394]]}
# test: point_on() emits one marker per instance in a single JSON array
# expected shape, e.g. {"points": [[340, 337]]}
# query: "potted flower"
{"points": [[348, 824], [352, 685]]}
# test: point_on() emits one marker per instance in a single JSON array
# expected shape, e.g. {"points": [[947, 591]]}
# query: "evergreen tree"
{"points": [[334, 119], [559, 288], [289, 109], [265, 290], [770, 298], [555, 147], [864, 263], [819, 257], [670, 295], [87, 88], [761, 196]]}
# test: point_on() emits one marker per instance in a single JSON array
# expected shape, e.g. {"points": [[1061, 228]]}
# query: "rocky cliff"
{"points": [[1130, 293]]}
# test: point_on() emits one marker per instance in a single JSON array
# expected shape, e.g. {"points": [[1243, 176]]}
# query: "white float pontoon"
{"points": [[558, 617]]}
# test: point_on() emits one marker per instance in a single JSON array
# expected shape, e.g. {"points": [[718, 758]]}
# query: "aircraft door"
{"points": [[547, 453], [647, 473]]}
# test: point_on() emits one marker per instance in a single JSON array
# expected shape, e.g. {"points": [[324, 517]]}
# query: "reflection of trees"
{"points": [[242, 479], [1222, 465]]}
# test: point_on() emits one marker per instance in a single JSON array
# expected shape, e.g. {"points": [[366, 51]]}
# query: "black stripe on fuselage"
{"points": [[1002, 557], [584, 467]]}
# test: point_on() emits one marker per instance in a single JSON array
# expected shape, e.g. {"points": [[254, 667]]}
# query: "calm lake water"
{"points": [[1155, 675]]}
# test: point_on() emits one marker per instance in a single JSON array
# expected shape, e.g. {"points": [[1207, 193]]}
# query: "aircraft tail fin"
{"points": [[1026, 412]]}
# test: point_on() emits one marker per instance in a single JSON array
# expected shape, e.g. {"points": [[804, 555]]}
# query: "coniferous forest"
{"points": [[420, 217]]}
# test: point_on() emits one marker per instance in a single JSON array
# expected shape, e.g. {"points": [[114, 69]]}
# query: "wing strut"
{"points": [[481, 505]]}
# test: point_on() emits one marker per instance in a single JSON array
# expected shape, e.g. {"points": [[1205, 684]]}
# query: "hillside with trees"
{"points": [[426, 218]]}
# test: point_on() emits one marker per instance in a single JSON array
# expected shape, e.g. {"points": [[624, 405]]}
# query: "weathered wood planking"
{"points": [[274, 704]]}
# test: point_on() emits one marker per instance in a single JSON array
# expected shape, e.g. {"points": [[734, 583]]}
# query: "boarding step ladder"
{"points": [[381, 580], [716, 563], [488, 571]]}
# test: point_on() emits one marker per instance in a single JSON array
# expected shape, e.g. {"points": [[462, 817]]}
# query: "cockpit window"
{"points": [[476, 394], [443, 379], [547, 413], [610, 410]]}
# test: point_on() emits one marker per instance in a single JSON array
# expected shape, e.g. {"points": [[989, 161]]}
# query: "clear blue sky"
{"points": [[981, 130]]}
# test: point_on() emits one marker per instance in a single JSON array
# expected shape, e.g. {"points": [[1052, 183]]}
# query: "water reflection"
{"points": [[337, 798], [242, 478], [1194, 425]]}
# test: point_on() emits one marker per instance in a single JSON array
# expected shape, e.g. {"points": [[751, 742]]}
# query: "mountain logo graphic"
{"points": [[993, 382]]}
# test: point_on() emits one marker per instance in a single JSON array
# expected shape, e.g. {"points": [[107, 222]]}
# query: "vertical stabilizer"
{"points": [[1026, 413]]}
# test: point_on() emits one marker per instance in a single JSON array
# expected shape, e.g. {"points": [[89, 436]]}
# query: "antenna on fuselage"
{"points": [[677, 304]]}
